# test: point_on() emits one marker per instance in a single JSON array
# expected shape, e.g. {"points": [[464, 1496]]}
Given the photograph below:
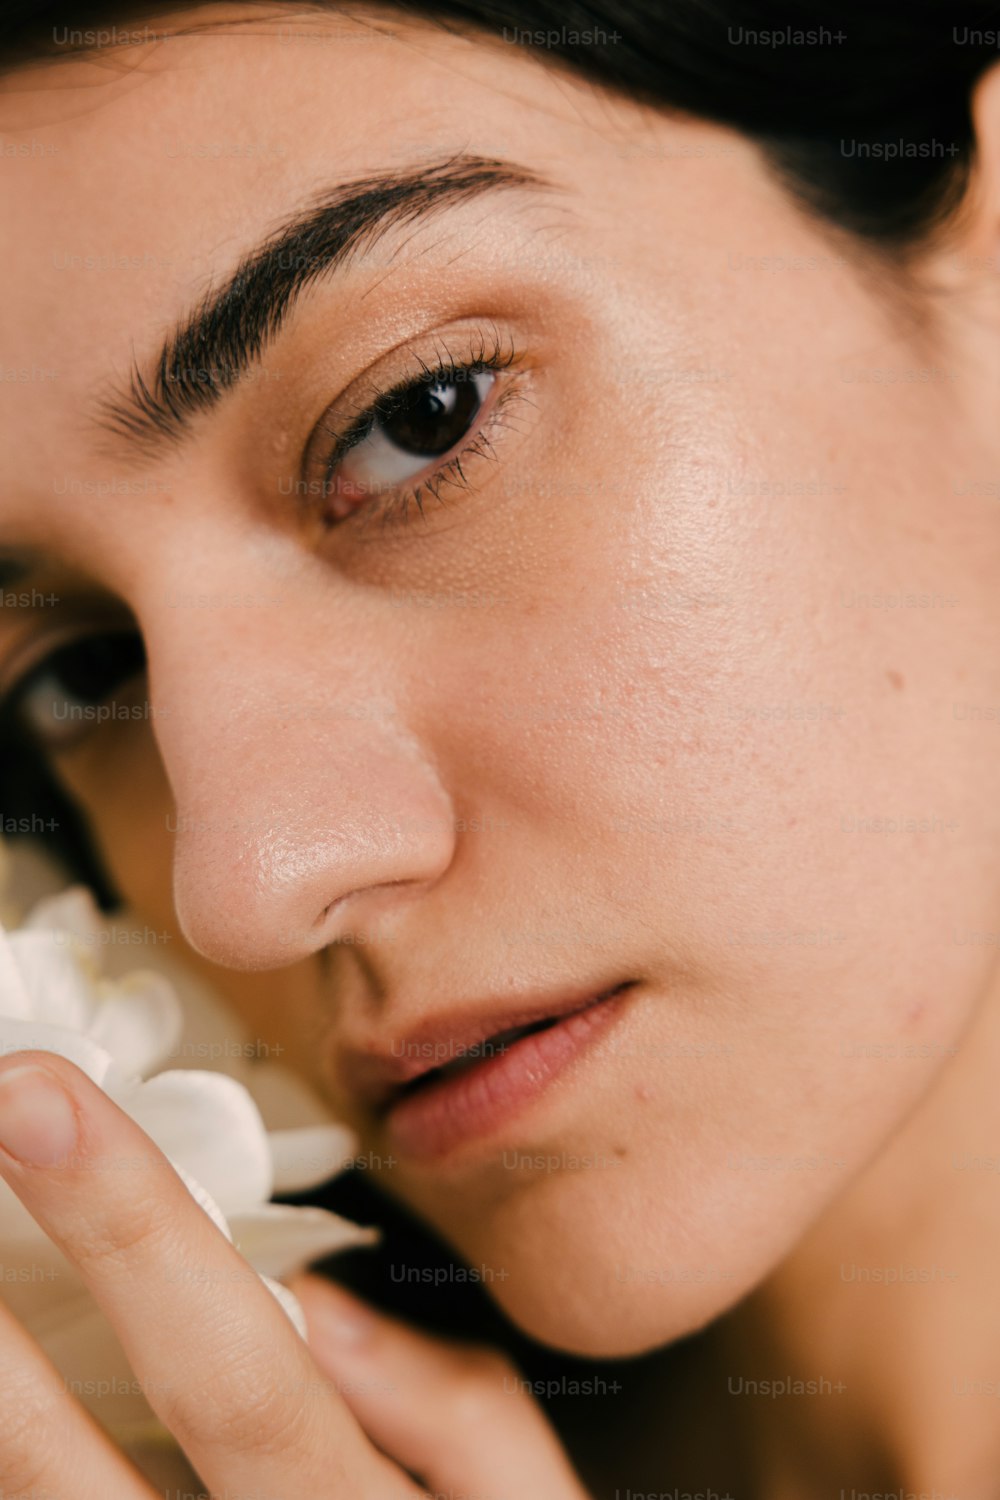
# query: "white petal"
{"points": [[14, 997], [284, 1099], [73, 910], [279, 1240], [19, 1036], [214, 1036], [139, 1022], [56, 984], [209, 1124], [305, 1158]]}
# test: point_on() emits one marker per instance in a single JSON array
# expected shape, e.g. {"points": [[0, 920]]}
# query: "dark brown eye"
{"points": [[430, 419], [408, 430]]}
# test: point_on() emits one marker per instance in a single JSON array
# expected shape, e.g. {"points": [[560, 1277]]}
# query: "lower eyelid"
{"points": [[394, 505]]}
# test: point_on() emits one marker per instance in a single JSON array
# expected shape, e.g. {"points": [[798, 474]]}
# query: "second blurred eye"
{"points": [[60, 697]]}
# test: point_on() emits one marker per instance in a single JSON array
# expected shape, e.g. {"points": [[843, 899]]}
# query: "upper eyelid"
{"points": [[379, 408], [141, 414], [346, 445], [363, 406], [444, 361]]}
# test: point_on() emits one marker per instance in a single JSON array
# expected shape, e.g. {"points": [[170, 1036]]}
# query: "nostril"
{"points": [[338, 906], [362, 917]]}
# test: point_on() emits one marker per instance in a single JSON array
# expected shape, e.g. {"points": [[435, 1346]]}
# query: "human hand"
{"points": [[354, 1416]]}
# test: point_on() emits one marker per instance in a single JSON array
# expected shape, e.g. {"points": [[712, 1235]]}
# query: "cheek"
{"points": [[700, 692], [751, 760]]}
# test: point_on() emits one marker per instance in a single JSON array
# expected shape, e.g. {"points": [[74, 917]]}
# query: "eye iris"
{"points": [[405, 435], [431, 418]]}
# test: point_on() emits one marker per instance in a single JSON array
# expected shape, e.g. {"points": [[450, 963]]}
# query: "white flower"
{"points": [[236, 1133]]}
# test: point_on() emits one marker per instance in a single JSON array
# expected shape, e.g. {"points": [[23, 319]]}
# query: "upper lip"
{"points": [[374, 1074]]}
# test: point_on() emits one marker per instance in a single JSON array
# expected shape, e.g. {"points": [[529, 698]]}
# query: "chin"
{"points": [[587, 1278], [583, 1318]]}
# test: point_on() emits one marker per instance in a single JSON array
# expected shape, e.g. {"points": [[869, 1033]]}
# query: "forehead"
{"points": [[134, 175], [137, 176]]}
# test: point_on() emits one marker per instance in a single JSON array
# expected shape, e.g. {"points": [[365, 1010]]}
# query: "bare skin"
{"points": [[627, 705]]}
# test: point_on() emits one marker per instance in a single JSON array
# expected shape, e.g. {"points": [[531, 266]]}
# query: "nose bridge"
{"points": [[299, 792]]}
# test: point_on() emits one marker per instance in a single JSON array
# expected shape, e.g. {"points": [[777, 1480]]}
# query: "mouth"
{"points": [[447, 1092]]}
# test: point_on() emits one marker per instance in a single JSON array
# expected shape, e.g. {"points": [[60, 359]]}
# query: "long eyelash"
{"points": [[397, 509], [392, 508]]}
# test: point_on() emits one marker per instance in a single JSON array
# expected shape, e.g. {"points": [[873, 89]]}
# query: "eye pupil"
{"points": [[432, 417]]}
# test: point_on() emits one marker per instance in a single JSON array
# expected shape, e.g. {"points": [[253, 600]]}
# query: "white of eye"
{"points": [[379, 463], [51, 712]]}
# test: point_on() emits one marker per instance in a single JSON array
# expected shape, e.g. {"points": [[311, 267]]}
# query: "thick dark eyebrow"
{"points": [[227, 332]]}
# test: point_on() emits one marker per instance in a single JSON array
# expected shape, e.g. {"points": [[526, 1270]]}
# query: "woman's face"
{"points": [[649, 644]]}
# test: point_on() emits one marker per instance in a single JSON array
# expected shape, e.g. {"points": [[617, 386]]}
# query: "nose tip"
{"points": [[266, 884], [305, 792]]}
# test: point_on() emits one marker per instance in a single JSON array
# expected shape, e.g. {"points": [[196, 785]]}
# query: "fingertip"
{"points": [[38, 1117], [336, 1319]]}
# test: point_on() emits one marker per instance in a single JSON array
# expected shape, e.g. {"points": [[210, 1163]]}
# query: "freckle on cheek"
{"points": [[896, 678]]}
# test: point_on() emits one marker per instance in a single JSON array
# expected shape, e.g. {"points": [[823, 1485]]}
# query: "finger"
{"points": [[50, 1446], [217, 1358], [456, 1415]]}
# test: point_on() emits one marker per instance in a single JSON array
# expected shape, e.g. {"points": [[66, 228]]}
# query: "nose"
{"points": [[305, 808]]}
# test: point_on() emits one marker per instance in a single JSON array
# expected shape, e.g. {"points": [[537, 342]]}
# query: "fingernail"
{"points": [[37, 1120], [337, 1317]]}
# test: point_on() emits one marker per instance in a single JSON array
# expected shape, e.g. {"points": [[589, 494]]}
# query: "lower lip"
{"points": [[476, 1102]]}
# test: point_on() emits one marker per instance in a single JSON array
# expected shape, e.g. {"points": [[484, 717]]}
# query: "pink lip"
{"points": [[466, 1106]]}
